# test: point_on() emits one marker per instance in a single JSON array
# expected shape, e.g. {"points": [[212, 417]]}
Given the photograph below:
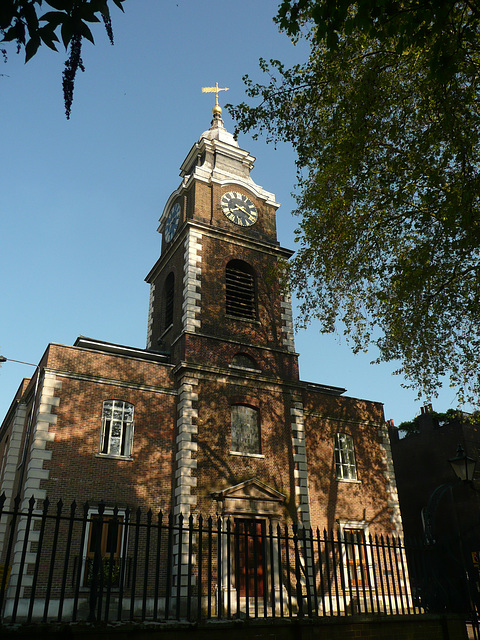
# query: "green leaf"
{"points": [[62, 5], [119, 3], [31, 47], [48, 36], [54, 18], [11, 34], [84, 30], [67, 32]]}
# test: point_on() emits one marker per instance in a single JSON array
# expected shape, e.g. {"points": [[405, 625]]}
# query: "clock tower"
{"points": [[215, 290], [218, 310]]}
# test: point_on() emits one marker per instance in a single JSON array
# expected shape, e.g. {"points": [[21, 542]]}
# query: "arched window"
{"points": [[240, 290], [117, 428], [169, 291], [243, 361], [245, 429], [345, 466]]}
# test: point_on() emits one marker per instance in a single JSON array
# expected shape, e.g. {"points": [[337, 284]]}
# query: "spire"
{"points": [[217, 131]]}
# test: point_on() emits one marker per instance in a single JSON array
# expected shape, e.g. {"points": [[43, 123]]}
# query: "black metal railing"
{"points": [[95, 563]]}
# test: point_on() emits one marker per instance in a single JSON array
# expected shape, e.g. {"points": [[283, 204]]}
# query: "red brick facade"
{"points": [[185, 386]]}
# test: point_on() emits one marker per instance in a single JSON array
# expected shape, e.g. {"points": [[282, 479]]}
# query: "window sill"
{"points": [[240, 368], [348, 480], [242, 319], [170, 326], [110, 457], [247, 455]]}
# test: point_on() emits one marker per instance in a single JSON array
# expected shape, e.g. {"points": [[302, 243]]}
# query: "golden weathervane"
{"points": [[215, 90]]}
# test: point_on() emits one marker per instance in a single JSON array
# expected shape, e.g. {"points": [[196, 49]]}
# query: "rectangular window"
{"points": [[345, 466], [355, 557], [104, 539], [245, 429], [117, 428]]}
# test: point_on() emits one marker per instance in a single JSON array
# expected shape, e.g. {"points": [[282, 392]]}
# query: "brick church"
{"points": [[211, 417]]}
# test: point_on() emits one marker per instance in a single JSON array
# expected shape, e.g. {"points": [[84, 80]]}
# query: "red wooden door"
{"points": [[250, 557]]}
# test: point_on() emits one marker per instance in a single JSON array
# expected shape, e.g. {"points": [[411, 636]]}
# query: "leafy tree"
{"points": [[24, 23], [449, 417], [385, 121]]}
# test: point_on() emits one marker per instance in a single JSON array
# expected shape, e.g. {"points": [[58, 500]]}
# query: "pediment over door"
{"points": [[252, 498]]}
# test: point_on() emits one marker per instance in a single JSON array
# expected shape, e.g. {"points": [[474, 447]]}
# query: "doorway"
{"points": [[250, 556]]}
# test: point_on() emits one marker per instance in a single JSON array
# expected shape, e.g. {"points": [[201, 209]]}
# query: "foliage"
{"points": [[440, 419], [26, 24], [402, 23], [388, 160]]}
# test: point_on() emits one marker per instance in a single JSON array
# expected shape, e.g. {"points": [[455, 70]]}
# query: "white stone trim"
{"points": [[287, 323], [192, 258], [42, 434], [185, 495], [391, 484], [34, 472], [186, 428], [150, 316], [11, 460], [302, 496]]}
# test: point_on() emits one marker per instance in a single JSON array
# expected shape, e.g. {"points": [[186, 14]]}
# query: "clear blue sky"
{"points": [[80, 199]]}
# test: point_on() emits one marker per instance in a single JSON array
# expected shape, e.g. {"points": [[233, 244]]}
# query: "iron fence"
{"points": [[75, 563]]}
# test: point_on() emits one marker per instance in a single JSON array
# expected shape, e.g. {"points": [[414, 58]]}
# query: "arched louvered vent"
{"points": [[244, 361], [240, 289]]}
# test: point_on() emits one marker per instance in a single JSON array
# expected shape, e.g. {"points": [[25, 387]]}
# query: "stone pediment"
{"points": [[253, 497]]}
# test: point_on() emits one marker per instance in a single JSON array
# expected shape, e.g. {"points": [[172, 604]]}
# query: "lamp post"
{"points": [[449, 572], [464, 468]]}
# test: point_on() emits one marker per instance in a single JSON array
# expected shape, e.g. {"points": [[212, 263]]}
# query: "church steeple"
{"points": [[215, 287]]}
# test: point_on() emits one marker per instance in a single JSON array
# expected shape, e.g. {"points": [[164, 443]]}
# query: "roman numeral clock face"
{"points": [[239, 209], [171, 223]]}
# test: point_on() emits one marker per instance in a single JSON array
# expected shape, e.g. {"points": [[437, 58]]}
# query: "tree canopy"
{"points": [[31, 23], [384, 117]]}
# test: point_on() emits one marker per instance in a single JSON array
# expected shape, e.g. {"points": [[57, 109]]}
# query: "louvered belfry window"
{"points": [[240, 289]]}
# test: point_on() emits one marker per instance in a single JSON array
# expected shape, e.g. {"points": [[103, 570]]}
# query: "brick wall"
{"points": [[217, 467], [75, 469], [366, 500]]}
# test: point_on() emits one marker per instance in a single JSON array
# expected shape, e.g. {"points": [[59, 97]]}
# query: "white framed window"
{"points": [[245, 425], [117, 428], [356, 554], [108, 542], [345, 465]]}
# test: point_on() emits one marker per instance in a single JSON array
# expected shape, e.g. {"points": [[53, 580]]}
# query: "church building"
{"points": [[211, 417]]}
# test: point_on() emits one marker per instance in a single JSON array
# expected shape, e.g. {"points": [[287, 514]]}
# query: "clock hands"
{"points": [[240, 209]]}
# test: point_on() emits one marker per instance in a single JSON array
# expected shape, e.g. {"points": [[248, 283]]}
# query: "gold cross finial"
{"points": [[215, 89]]}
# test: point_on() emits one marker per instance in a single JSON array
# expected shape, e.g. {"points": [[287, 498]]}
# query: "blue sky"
{"points": [[80, 199]]}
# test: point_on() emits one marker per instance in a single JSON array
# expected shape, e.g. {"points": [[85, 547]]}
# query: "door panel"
{"points": [[250, 556]]}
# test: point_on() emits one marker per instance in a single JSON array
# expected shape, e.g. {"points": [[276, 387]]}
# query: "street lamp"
{"points": [[4, 359], [462, 465]]}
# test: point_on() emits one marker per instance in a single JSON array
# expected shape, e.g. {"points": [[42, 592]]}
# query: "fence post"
{"points": [[96, 532]]}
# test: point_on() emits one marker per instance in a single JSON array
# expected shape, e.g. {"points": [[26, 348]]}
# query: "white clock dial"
{"points": [[239, 209], [172, 221]]}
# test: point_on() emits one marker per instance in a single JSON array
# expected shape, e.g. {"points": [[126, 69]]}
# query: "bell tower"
{"points": [[215, 292]]}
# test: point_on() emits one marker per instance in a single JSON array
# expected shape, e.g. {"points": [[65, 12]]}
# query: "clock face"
{"points": [[171, 223], [239, 209]]}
